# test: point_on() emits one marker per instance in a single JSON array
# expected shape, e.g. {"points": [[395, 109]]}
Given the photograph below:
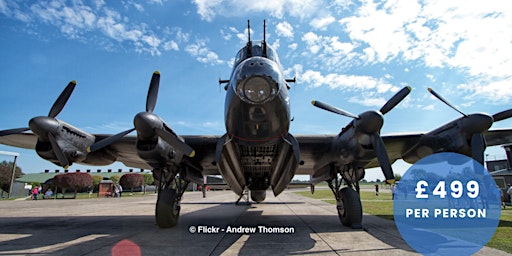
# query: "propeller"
{"points": [[148, 124], [371, 122], [476, 124], [107, 141], [333, 109], [13, 131], [43, 126], [63, 160], [502, 115]]}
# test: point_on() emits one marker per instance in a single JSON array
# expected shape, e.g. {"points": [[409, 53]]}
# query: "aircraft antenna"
{"points": [[264, 43], [249, 43], [248, 31]]}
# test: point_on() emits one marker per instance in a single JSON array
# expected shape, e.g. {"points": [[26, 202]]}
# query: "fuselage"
{"points": [[257, 151]]}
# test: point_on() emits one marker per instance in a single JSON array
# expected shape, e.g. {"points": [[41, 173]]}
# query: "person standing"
{"points": [[35, 192], [509, 192], [116, 191], [393, 191], [377, 189], [120, 188]]}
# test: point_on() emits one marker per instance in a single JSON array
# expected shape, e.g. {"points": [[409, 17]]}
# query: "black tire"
{"points": [[258, 196], [167, 209], [350, 210]]}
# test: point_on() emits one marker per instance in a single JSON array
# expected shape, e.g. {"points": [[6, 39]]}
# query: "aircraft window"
{"points": [[257, 50], [241, 55]]}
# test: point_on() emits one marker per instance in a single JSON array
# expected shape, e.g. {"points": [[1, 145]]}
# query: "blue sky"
{"points": [[352, 54]]}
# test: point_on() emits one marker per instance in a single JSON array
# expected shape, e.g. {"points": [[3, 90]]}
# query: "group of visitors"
{"points": [[37, 190]]}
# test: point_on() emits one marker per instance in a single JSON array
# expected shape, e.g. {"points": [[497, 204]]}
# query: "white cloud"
{"points": [[202, 53], [329, 50], [293, 46], [368, 101], [428, 107], [470, 36], [226, 35], [78, 20], [284, 29], [208, 9], [316, 79], [494, 91], [322, 23], [171, 45]]}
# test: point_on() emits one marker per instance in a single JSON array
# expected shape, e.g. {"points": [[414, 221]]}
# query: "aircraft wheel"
{"points": [[167, 209], [258, 196], [349, 208]]}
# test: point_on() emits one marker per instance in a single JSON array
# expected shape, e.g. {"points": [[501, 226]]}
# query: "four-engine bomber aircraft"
{"points": [[257, 152]]}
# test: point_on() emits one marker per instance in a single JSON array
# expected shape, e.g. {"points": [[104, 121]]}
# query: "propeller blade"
{"points": [[176, 143], [107, 141], [333, 109], [63, 160], [13, 131], [383, 158], [502, 115], [478, 146], [397, 98], [62, 99], [153, 92], [445, 101]]}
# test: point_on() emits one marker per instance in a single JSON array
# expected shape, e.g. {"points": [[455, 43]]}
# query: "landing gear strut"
{"points": [[170, 192], [348, 203], [245, 196]]}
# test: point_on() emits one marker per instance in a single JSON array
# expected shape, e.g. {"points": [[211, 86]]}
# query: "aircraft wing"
{"points": [[498, 137], [124, 149], [314, 147], [204, 146]]}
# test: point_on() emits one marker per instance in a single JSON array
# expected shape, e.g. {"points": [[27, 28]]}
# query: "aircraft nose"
{"points": [[257, 80], [42, 125]]}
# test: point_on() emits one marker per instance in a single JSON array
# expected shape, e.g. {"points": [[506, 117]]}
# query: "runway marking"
{"points": [[237, 246], [9, 237], [55, 247]]}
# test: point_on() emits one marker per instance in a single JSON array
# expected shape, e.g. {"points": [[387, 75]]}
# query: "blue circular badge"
{"points": [[447, 204]]}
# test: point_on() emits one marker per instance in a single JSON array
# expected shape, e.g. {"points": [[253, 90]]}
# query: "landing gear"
{"points": [[348, 203], [167, 209], [170, 192], [245, 196]]}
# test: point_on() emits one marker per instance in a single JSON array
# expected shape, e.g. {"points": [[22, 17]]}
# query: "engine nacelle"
{"points": [[157, 152]]}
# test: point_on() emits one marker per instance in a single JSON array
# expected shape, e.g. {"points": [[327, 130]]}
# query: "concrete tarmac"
{"points": [[126, 226]]}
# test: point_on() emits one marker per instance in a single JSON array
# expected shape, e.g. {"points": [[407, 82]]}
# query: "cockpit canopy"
{"points": [[251, 50]]}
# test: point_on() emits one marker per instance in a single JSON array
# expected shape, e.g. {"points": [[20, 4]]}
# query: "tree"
{"points": [[75, 181], [115, 178], [6, 175], [148, 180], [131, 180], [96, 180], [398, 177]]}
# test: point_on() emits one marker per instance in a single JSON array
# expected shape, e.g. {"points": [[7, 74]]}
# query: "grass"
{"points": [[382, 206]]}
